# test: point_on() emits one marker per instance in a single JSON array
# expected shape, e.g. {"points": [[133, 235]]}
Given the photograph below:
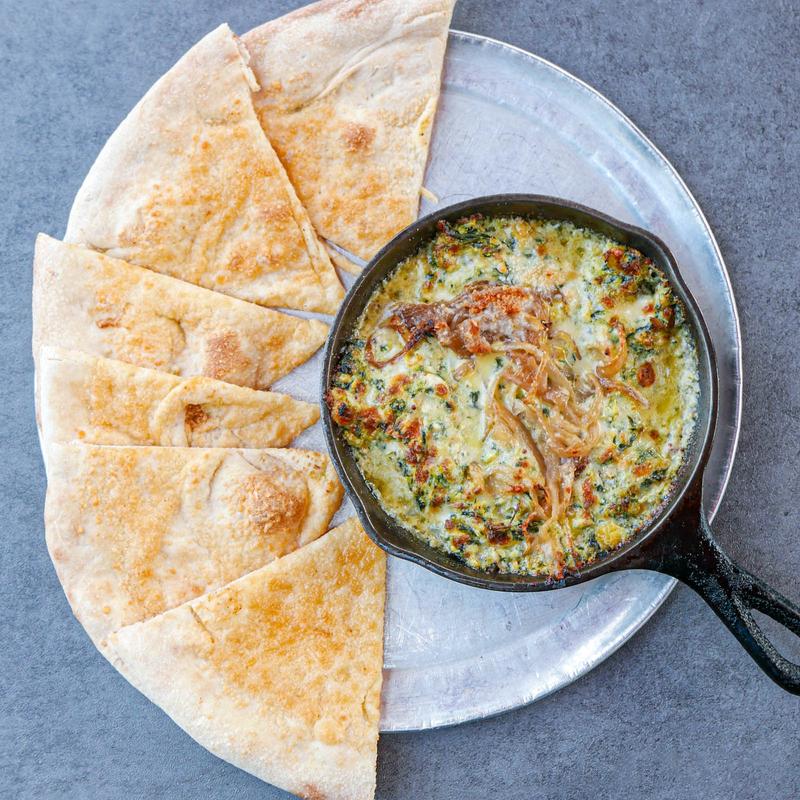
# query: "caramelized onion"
{"points": [[568, 342], [464, 368], [412, 321], [565, 409], [623, 388], [369, 354], [567, 412], [470, 323], [517, 428], [610, 367]]}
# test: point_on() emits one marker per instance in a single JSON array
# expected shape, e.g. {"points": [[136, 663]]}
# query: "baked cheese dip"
{"points": [[520, 393]]}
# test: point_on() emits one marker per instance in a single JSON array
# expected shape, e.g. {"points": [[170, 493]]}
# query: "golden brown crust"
{"points": [[133, 531], [87, 301], [224, 356], [194, 417], [279, 672], [351, 120], [270, 500], [101, 401], [189, 185]]}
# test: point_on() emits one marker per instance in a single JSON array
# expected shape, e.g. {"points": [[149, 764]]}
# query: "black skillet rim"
{"points": [[370, 513]]}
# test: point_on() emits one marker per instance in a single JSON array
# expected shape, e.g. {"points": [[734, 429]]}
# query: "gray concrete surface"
{"points": [[680, 711]]}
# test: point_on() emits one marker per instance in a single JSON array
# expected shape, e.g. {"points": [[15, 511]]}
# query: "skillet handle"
{"points": [[690, 553]]}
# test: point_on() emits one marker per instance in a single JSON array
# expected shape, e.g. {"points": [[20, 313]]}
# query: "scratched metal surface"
{"points": [[509, 121]]}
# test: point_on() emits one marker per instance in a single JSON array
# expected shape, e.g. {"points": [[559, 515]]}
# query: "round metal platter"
{"points": [[509, 121]]}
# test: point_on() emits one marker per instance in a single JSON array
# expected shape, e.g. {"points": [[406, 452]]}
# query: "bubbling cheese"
{"points": [[420, 412]]}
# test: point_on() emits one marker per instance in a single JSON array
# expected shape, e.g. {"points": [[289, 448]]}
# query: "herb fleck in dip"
{"points": [[520, 393]]}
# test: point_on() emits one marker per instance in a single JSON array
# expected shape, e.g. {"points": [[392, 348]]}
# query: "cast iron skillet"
{"points": [[677, 542]]}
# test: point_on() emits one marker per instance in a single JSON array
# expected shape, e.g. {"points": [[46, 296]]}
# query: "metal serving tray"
{"points": [[509, 121]]}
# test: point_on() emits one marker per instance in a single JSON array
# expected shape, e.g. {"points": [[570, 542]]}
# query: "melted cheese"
{"points": [[419, 426]]}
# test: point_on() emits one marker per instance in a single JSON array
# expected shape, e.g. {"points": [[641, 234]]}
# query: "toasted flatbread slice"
{"points": [[348, 96], [134, 531], [189, 185], [102, 401], [83, 300], [280, 672]]}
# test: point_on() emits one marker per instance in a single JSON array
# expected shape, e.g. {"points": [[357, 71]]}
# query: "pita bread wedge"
{"points": [[83, 300], [101, 401], [189, 185], [280, 672], [348, 95], [134, 531]]}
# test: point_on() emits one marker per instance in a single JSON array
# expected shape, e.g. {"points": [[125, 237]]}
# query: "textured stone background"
{"points": [[680, 711]]}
